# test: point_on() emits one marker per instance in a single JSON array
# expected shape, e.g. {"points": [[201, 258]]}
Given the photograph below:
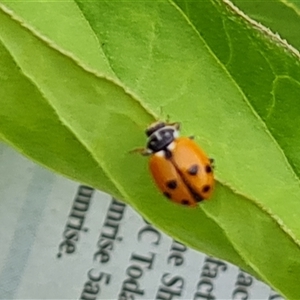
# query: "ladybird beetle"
{"points": [[180, 169]]}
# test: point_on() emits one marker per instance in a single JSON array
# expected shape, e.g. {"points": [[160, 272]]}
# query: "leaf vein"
{"points": [[278, 220]]}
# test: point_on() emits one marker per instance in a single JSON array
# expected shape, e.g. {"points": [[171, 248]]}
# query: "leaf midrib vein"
{"points": [[276, 219], [240, 90]]}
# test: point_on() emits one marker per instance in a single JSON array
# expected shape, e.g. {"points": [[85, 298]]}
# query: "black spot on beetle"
{"points": [[206, 188], [193, 170], [185, 202], [168, 195], [172, 184], [198, 198], [208, 169], [168, 154]]}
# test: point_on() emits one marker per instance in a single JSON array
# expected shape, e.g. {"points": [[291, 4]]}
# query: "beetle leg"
{"points": [[142, 151], [212, 161]]}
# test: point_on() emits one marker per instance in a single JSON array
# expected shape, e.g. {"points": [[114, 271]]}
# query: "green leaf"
{"points": [[77, 100], [282, 17]]}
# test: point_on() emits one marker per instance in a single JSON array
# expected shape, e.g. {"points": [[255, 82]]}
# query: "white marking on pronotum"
{"points": [[157, 135], [176, 134], [160, 153], [171, 146]]}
